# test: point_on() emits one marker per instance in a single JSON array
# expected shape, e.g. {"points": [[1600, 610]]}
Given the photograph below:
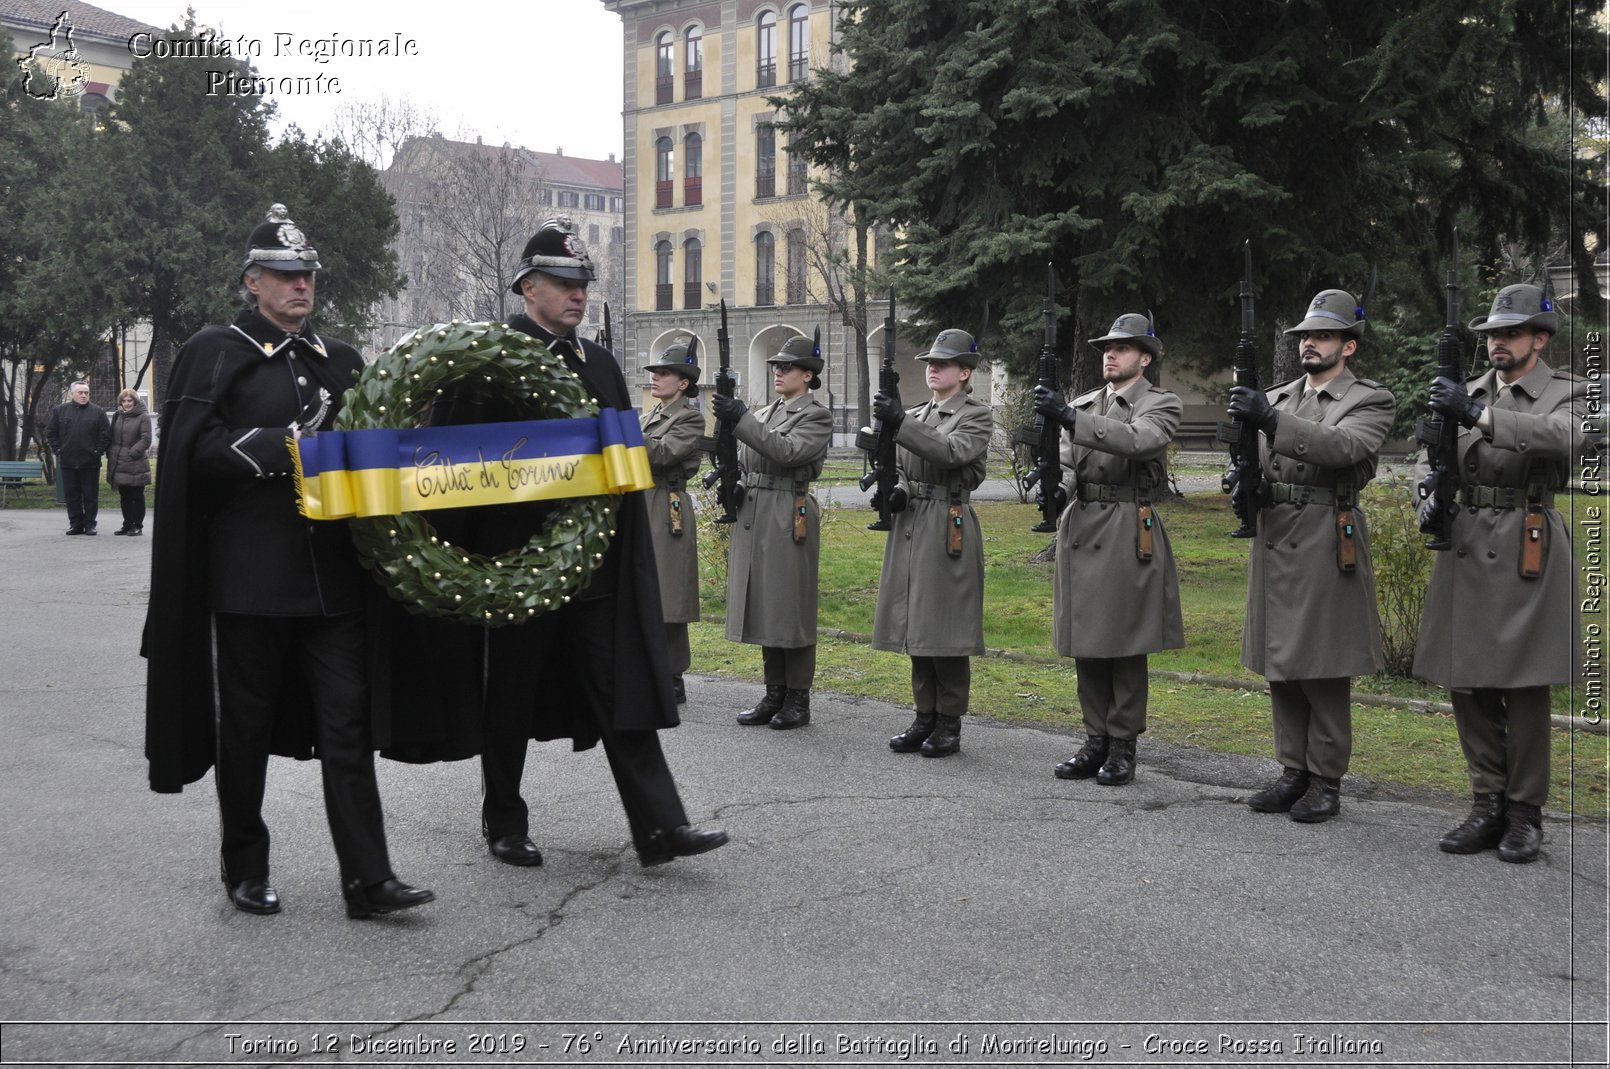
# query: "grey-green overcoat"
{"points": [[771, 579], [931, 604], [1483, 625], [672, 436], [1306, 618], [1107, 601]]}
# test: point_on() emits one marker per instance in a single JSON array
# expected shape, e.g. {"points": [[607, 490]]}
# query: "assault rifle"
{"points": [[878, 440], [723, 448], [1440, 434], [1044, 435], [1244, 477], [606, 336]]}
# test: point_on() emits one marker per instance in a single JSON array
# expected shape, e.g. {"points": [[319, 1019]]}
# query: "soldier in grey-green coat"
{"points": [[1312, 622], [1117, 595], [777, 539], [1500, 619], [931, 593], [672, 430]]}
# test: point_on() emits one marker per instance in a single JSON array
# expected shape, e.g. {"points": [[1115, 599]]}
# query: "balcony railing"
{"points": [[798, 67], [663, 88], [765, 293], [693, 85], [691, 295], [796, 181], [692, 191], [765, 185], [766, 73], [662, 194], [664, 297]]}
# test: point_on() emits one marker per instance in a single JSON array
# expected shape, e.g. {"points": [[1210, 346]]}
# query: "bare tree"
{"points": [[373, 130]]}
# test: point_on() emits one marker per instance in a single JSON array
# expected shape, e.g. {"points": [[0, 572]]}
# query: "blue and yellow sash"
{"points": [[385, 472]]}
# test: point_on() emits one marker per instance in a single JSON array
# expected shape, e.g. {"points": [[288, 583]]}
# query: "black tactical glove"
{"points": [[1059, 497], [888, 410], [1451, 399], [897, 500], [1050, 404], [1253, 408], [728, 409]]}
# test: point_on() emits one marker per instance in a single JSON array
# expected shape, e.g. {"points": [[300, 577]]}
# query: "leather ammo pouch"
{"points": [[953, 530], [801, 505], [1534, 540], [1346, 529], [676, 511], [1145, 521]]}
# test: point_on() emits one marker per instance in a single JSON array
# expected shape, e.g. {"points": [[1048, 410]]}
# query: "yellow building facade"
{"points": [[716, 207]]}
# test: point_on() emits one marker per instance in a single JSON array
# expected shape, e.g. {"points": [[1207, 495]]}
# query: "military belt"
{"points": [[756, 481], [1503, 497], [1299, 494], [936, 492], [1108, 492]]}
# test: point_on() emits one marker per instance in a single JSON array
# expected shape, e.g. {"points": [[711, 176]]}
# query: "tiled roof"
{"points": [[86, 19], [554, 168]]}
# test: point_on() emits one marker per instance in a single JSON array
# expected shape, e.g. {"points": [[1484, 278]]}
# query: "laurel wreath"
{"points": [[428, 574]]}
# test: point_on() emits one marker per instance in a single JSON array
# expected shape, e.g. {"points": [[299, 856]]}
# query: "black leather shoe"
{"points": [[75, 530], [1119, 768], [1523, 836], [1282, 794], [678, 691], [387, 896], [1320, 802], [1083, 764], [796, 710], [515, 850], [120, 531], [684, 841], [911, 739], [765, 709], [136, 530], [1481, 830], [91, 530], [254, 896], [946, 739]]}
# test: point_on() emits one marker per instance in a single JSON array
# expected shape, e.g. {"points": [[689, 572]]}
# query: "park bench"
{"points": [[19, 475]]}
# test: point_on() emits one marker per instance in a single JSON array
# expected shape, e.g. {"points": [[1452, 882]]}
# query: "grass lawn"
{"points": [[1392, 746]]}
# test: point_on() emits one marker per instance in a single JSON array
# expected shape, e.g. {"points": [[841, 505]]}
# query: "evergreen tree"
{"points": [[1136, 143]]}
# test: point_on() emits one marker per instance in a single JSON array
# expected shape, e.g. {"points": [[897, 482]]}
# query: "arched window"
{"points": [[693, 68], [663, 58], [799, 42], [796, 266], [693, 169], [664, 164], [692, 273], [765, 268], [662, 276], [766, 70]]}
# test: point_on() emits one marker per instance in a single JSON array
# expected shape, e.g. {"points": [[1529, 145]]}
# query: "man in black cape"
{"points": [[233, 563], [596, 669]]}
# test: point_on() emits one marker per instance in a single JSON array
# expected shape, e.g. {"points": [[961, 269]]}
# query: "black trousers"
{"points": [[132, 500], [259, 658], [579, 638], [81, 486]]}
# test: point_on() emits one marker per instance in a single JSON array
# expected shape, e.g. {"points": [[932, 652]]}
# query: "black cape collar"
{"points": [[272, 339]]}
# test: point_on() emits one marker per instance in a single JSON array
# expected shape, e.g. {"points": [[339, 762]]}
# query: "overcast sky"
{"points": [[544, 74]]}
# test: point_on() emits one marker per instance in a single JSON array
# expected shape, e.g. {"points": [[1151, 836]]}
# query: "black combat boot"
{"points": [[1279, 796], [1481, 830], [678, 691], [796, 710], [946, 739], [1523, 836], [1320, 802], [911, 739], [1119, 768], [765, 709], [1084, 764]]}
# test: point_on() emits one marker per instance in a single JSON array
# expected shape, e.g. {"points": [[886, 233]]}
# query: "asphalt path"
{"points": [[872, 908]]}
